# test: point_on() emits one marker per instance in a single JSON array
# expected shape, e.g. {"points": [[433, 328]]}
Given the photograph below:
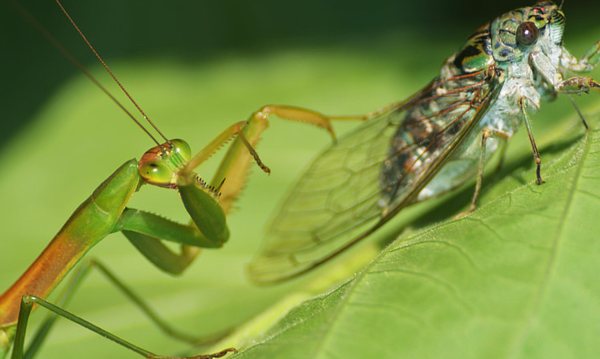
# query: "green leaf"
{"points": [[517, 278]]}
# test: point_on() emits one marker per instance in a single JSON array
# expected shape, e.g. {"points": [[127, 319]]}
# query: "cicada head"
{"points": [[519, 32]]}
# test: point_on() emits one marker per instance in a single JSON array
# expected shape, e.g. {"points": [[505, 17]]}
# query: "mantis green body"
{"points": [[105, 212], [169, 165]]}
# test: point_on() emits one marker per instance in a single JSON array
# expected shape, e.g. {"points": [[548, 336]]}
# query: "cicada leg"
{"points": [[485, 134], [536, 153], [588, 61]]}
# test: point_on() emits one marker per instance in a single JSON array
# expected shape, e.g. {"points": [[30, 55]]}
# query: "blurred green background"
{"points": [[202, 31], [196, 67]]}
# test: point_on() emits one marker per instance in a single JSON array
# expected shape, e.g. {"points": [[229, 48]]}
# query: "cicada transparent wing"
{"points": [[369, 175]]}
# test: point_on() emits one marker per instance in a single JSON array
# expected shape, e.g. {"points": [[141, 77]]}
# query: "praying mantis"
{"points": [[168, 165]]}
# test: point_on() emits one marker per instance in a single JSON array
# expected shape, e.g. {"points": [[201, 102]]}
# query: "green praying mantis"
{"points": [[169, 165]]}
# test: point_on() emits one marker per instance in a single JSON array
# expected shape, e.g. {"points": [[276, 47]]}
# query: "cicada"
{"points": [[429, 144]]}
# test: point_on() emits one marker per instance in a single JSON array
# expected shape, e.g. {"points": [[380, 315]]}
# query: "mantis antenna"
{"points": [[62, 49]]}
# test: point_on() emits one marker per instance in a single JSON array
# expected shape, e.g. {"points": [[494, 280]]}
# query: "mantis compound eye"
{"points": [[160, 164], [527, 34], [181, 148], [156, 172]]}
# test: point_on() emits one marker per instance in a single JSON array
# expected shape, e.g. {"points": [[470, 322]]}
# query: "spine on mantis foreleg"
{"points": [[93, 220], [232, 174]]}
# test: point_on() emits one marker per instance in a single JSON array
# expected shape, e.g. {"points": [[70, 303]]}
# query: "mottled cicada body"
{"points": [[428, 144]]}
